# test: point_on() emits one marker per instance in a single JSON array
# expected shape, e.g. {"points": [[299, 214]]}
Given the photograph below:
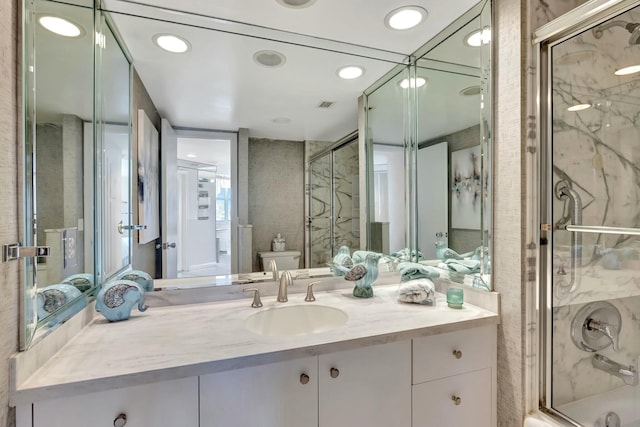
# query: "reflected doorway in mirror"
{"points": [[148, 184]]}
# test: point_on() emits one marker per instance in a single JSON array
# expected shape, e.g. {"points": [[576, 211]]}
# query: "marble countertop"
{"points": [[167, 343]]}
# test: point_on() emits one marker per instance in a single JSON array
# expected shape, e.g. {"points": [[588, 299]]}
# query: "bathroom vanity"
{"points": [[199, 365]]}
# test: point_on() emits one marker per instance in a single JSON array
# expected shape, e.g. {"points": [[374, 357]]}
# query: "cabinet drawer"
{"points": [[440, 356], [168, 403], [434, 403]]}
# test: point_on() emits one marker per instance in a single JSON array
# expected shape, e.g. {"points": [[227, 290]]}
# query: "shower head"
{"points": [[632, 27]]}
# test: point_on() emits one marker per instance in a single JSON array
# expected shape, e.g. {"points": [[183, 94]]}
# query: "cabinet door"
{"points": [[168, 403], [461, 401], [273, 395], [367, 387]]}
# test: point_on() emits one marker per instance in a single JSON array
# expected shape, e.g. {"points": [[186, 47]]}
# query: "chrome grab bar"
{"points": [[601, 229]]}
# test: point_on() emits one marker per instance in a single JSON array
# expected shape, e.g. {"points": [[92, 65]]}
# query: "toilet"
{"points": [[285, 260]]}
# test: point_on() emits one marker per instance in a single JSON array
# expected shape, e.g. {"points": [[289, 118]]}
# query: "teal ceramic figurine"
{"points": [[60, 302], [140, 277], [82, 281], [364, 275], [342, 262], [116, 299], [443, 252]]}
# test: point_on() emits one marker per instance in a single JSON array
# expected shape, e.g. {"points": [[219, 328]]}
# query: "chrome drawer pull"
{"points": [[334, 373], [304, 379], [456, 400], [457, 354]]}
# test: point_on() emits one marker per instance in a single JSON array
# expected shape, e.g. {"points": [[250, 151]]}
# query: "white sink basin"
{"points": [[296, 320]]}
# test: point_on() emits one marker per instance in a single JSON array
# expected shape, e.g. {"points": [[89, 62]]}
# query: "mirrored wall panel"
{"points": [[58, 159], [432, 122]]}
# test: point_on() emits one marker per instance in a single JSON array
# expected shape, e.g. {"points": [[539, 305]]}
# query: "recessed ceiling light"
{"points": [[60, 26], [579, 107], [628, 70], [413, 82], [478, 38], [471, 90], [269, 58], [405, 17], [296, 4], [191, 155], [281, 120], [349, 72], [171, 43]]}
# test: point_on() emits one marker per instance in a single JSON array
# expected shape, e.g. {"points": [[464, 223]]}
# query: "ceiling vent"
{"points": [[269, 58], [325, 104]]}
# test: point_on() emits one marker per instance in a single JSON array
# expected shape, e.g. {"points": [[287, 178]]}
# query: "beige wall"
{"points": [[508, 278], [8, 196], [276, 185]]}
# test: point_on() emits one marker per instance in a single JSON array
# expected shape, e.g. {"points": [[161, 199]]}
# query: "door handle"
{"points": [[122, 227], [165, 246]]}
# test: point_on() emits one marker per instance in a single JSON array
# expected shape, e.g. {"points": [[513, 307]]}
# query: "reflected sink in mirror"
{"points": [[296, 320]]}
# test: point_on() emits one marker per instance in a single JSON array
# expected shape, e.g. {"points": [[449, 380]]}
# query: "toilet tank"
{"points": [[285, 260]]}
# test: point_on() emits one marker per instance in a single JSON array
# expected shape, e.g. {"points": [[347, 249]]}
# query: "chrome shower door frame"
{"points": [[584, 17]]}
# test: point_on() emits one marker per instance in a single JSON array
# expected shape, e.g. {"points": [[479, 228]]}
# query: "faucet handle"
{"points": [[596, 326], [310, 297], [257, 303], [607, 330]]}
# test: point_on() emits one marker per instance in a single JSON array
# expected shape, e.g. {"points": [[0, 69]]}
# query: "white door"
{"points": [[169, 171], [433, 201]]}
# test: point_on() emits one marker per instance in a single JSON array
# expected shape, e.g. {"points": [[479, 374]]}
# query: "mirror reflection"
{"points": [[292, 108], [62, 150], [257, 150], [449, 158]]}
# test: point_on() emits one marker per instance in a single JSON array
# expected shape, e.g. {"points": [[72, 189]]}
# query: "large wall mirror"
{"points": [[430, 131], [58, 153], [226, 129]]}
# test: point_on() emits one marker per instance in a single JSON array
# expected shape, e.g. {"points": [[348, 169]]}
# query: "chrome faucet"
{"points": [[609, 331], [285, 281], [274, 269], [628, 374]]}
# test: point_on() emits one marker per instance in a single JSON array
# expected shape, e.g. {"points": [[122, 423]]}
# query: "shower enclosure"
{"points": [[333, 201], [589, 75]]}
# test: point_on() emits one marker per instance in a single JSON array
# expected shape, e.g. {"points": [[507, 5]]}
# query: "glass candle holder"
{"points": [[455, 297]]}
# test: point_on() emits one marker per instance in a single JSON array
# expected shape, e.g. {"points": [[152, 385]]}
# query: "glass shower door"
{"points": [[346, 197], [320, 215], [593, 193]]}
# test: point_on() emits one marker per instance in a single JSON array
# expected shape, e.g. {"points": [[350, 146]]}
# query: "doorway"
{"points": [[205, 189]]}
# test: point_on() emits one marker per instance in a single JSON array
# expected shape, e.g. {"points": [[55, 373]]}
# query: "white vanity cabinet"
{"points": [[168, 403], [369, 386], [454, 379], [282, 394]]}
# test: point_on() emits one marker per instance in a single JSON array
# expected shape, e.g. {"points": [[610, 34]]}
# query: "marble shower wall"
{"points": [[574, 377], [597, 150], [320, 211], [347, 197]]}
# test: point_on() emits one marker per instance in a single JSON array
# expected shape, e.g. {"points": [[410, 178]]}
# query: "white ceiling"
{"points": [[216, 85]]}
